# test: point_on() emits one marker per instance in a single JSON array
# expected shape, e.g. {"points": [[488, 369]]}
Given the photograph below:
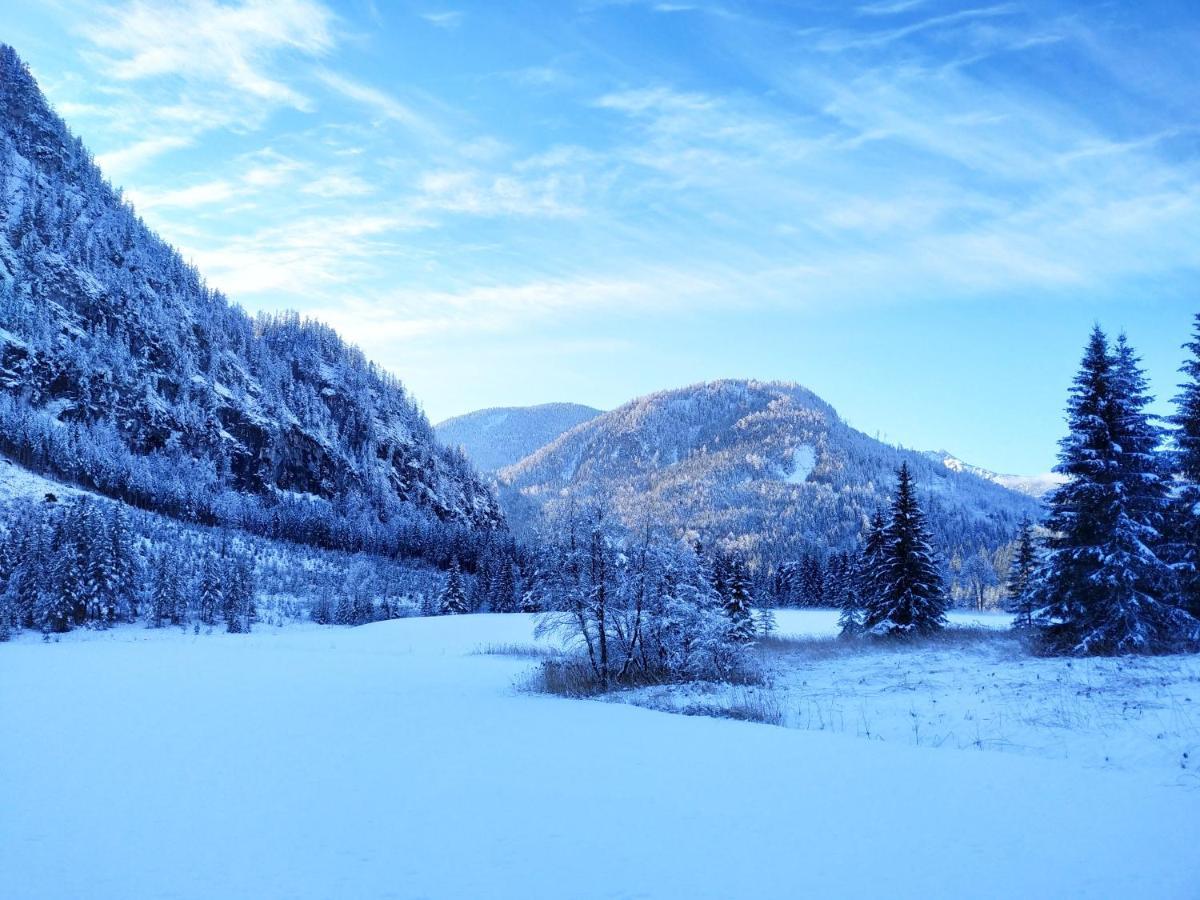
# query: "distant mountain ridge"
{"points": [[121, 369], [1036, 486], [766, 467], [495, 438]]}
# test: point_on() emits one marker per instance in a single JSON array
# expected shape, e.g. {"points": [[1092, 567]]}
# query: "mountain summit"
{"points": [[496, 438], [766, 467]]}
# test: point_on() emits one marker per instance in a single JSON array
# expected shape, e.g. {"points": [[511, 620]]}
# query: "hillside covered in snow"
{"points": [[768, 469], [495, 438], [122, 370]]}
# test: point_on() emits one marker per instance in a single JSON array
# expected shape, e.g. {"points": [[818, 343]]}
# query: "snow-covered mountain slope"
{"points": [[495, 438], [121, 369], [1037, 486], [767, 467]]}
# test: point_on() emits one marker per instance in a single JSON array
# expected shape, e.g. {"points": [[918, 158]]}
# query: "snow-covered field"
{"points": [[971, 693], [393, 761]]}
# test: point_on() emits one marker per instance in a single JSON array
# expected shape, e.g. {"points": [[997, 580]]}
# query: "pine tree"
{"points": [[738, 602], [212, 588], [764, 621], [453, 599], [1021, 578], [124, 564], [504, 588], [865, 584], [1183, 539], [1103, 586], [163, 599], [909, 598]]}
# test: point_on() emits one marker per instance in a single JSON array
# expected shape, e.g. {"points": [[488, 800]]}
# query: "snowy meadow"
{"points": [[310, 761]]}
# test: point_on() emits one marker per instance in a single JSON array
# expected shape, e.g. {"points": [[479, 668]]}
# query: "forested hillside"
{"points": [[123, 371], [766, 469]]}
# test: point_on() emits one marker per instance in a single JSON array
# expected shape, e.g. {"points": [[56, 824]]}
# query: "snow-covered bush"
{"points": [[636, 611]]}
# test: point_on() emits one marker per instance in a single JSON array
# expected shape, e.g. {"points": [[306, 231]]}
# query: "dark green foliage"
{"points": [[1104, 586], [907, 594], [1019, 593], [453, 600]]}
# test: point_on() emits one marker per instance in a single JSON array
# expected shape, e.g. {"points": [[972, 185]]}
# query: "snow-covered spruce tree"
{"points": [[909, 598], [238, 595], [164, 599], [738, 601], [124, 564], [1019, 596], [1103, 588], [504, 587], [864, 581], [212, 593], [453, 599], [1183, 529]]}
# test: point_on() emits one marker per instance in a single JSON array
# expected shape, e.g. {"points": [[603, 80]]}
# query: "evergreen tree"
{"points": [[1021, 578], [1184, 511], [738, 602], [504, 588], [212, 588], [453, 599], [124, 564], [866, 580], [1103, 586], [909, 595], [764, 621], [164, 599]]}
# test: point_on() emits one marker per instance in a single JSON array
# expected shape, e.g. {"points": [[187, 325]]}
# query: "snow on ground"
{"points": [[17, 482], [804, 460], [969, 692], [392, 761], [823, 622]]}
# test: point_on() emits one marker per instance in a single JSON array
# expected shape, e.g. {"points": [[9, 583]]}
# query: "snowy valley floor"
{"points": [[394, 761]]}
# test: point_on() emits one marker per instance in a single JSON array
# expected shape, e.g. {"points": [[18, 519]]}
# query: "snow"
{"points": [[804, 459], [393, 761], [17, 482], [823, 622], [1127, 714]]}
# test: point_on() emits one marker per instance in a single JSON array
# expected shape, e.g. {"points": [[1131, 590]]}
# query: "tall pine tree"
{"points": [[909, 598], [1019, 595], [453, 600], [1104, 588], [738, 602], [1183, 551]]}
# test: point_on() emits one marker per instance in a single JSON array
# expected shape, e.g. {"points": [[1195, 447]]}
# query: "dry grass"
{"points": [[525, 651]]}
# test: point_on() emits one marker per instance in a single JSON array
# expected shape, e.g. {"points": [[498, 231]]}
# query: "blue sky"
{"points": [[915, 208]]}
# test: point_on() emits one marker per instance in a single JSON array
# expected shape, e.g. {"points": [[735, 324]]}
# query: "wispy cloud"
{"points": [[448, 19], [119, 162], [214, 43], [382, 104]]}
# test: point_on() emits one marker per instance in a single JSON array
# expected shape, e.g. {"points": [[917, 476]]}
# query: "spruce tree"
{"points": [[1183, 538], [212, 589], [453, 600], [1104, 588], [909, 597], [1021, 578], [739, 604], [504, 588], [865, 582]]}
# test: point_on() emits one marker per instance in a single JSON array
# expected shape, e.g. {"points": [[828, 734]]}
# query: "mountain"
{"points": [[123, 371], [495, 438], [1036, 486], [765, 467]]}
